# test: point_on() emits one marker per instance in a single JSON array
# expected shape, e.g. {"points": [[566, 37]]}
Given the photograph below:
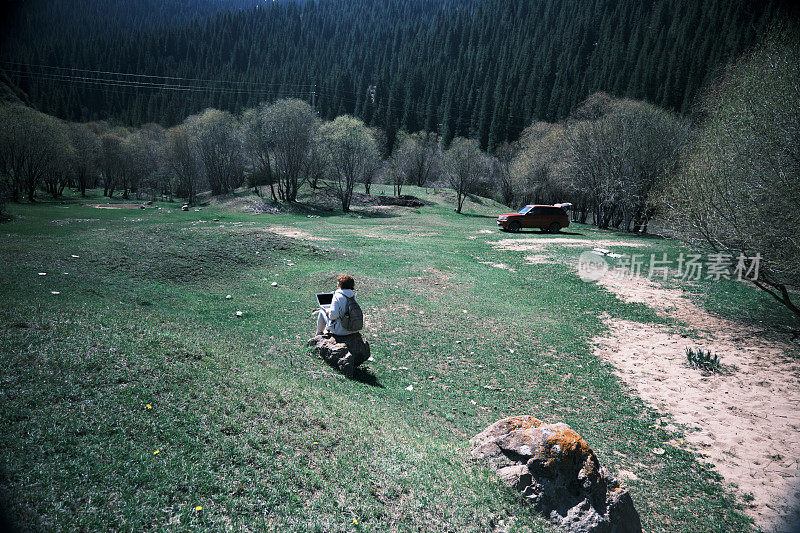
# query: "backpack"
{"points": [[353, 318]]}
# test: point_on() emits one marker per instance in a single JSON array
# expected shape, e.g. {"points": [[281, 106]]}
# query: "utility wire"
{"points": [[75, 71], [110, 82], [104, 78]]}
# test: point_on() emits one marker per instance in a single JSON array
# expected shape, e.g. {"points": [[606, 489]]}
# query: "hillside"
{"points": [[483, 69], [141, 401]]}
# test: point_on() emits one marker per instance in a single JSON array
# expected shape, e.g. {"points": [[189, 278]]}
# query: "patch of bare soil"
{"points": [[501, 266], [541, 244], [746, 420], [423, 234], [114, 206], [294, 233], [538, 259]]}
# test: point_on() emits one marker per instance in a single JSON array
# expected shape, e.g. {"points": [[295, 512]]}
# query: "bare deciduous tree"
{"points": [[350, 153], [739, 193], [33, 147], [220, 145], [279, 138], [418, 159], [183, 158], [465, 166], [113, 162], [86, 162]]}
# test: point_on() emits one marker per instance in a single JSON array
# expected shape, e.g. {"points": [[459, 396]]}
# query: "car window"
{"points": [[537, 211], [555, 211], [525, 210]]}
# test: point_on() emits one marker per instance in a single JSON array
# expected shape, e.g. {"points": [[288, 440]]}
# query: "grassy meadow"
{"points": [[135, 399]]}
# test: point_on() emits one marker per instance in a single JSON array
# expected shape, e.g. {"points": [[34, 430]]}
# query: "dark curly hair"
{"points": [[346, 281]]}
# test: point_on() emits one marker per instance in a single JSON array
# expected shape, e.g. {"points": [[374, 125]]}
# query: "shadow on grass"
{"points": [[362, 375], [476, 215]]}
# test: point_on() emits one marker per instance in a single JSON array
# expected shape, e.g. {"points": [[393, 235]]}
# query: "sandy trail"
{"points": [[542, 244], [294, 233], [746, 422], [115, 206]]}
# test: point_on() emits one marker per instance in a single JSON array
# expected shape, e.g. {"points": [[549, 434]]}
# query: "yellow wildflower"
{"points": [[156, 452], [198, 508]]}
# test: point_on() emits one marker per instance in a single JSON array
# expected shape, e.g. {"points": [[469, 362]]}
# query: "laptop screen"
{"points": [[324, 298]]}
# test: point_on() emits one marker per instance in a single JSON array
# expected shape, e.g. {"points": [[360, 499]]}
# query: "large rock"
{"points": [[557, 471], [343, 353]]}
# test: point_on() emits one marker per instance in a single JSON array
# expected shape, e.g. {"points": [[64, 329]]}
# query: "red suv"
{"points": [[546, 217]]}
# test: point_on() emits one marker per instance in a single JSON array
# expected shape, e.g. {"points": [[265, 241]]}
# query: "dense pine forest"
{"points": [[482, 69]]}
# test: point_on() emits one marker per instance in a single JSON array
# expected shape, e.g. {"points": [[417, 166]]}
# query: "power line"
{"points": [[110, 82], [128, 81], [151, 76]]}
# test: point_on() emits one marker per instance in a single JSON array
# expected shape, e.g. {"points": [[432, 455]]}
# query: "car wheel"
{"points": [[555, 227], [514, 227]]}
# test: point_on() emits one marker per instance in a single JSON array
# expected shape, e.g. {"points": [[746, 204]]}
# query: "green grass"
{"points": [[261, 435]]}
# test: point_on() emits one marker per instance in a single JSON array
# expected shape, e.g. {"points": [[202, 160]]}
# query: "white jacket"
{"points": [[337, 310]]}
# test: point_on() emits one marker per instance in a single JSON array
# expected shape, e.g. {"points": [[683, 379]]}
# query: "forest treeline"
{"points": [[729, 185], [480, 69]]}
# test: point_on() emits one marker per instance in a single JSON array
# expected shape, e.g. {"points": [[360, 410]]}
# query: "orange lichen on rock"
{"points": [[558, 473], [521, 422], [565, 443]]}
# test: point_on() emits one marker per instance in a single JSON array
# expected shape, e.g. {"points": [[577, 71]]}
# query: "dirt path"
{"points": [[545, 244], [746, 422], [115, 206], [294, 233]]}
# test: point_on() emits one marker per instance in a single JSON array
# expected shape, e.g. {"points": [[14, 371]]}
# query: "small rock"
{"points": [[658, 451], [54, 292], [216, 220], [238, 313], [274, 283], [42, 273], [228, 297], [75, 256], [410, 388]]}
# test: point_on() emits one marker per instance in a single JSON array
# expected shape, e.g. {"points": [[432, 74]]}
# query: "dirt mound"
{"points": [[404, 200]]}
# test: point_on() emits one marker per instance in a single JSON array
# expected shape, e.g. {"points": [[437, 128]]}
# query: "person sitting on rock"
{"points": [[330, 320]]}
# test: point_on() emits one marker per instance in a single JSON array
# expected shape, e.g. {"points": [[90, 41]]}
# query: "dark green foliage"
{"points": [[469, 68], [704, 360]]}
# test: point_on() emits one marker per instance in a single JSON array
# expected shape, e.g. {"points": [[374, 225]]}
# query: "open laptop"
{"points": [[324, 299]]}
